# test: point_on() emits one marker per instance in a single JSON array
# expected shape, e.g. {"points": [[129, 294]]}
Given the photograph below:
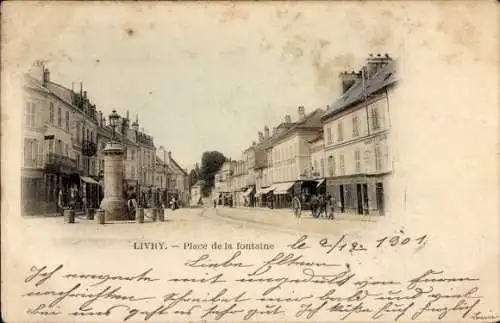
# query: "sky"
{"points": [[210, 76]]}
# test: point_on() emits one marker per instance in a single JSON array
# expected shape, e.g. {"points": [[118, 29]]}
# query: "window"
{"points": [[378, 157], [132, 155], [357, 158], [367, 160], [66, 152], [59, 147], [375, 119], [355, 130], [342, 166], [322, 165], [30, 115], [67, 120], [88, 135], [340, 131], [78, 133], [51, 115], [59, 118], [30, 152], [329, 135], [315, 166], [331, 165]]}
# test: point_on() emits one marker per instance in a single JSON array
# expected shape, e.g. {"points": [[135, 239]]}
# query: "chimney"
{"points": [[261, 136], [100, 119], [36, 71], [348, 79], [46, 76], [288, 119], [266, 132], [168, 158], [135, 125], [302, 112], [374, 63]]}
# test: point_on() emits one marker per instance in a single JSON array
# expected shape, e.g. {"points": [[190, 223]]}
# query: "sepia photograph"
{"points": [[323, 161]]}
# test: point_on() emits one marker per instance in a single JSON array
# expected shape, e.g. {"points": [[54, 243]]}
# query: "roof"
{"points": [[179, 167], [33, 84], [311, 121], [384, 77], [318, 138]]}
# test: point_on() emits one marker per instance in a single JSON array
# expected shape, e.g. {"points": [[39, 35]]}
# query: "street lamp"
{"points": [[113, 121]]}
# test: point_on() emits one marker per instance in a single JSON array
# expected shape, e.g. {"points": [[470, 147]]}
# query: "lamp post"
{"points": [[113, 204], [113, 121]]}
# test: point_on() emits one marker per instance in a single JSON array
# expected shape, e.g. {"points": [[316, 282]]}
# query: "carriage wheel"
{"points": [[297, 208]]}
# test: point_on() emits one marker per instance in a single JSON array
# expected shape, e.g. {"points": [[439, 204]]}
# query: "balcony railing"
{"points": [[60, 161]]}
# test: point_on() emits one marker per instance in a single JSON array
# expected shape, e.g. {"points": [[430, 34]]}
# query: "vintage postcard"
{"points": [[250, 161]]}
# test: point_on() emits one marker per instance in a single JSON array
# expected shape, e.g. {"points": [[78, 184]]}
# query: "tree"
{"points": [[211, 163], [193, 177]]}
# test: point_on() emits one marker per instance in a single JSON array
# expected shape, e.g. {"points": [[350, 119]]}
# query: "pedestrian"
{"points": [[60, 202], [314, 205], [322, 206], [331, 206]]}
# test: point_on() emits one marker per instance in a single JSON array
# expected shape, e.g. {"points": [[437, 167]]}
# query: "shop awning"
{"points": [[88, 180], [248, 191], [266, 190], [282, 188], [321, 181]]}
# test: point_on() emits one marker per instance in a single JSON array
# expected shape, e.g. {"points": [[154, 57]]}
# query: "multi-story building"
{"points": [[249, 158], [60, 142], [292, 157], [176, 178], [357, 132], [238, 183], [317, 150], [222, 183]]}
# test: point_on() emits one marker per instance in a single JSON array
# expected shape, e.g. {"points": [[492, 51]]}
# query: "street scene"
{"points": [[328, 161], [249, 161]]}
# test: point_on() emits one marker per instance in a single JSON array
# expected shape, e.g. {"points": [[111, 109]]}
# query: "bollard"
{"points": [[99, 216], [139, 215], [153, 214], [90, 214], [69, 216], [161, 215]]}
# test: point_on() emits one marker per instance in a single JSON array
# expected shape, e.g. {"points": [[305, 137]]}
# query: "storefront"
{"points": [[283, 194], [89, 189], [265, 196], [359, 194], [32, 190]]}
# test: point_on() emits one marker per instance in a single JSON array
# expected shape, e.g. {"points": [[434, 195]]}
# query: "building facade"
{"points": [[357, 133]]}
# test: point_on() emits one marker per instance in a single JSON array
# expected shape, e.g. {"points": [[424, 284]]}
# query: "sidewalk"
{"points": [[347, 216]]}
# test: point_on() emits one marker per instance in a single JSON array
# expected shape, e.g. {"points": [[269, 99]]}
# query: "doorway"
{"points": [[359, 199], [379, 191], [342, 204], [365, 199]]}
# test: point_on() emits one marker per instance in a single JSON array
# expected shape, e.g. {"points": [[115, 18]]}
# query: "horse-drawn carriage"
{"points": [[302, 197]]}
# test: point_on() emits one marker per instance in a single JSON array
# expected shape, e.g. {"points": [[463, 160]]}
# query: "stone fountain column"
{"points": [[113, 204]]}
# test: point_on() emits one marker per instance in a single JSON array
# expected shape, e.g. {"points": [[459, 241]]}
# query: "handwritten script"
{"points": [[280, 285]]}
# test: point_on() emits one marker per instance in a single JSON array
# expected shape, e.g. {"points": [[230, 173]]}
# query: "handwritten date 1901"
{"points": [[400, 239]]}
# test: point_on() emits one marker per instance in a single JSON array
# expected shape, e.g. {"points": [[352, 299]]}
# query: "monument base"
{"points": [[114, 209]]}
